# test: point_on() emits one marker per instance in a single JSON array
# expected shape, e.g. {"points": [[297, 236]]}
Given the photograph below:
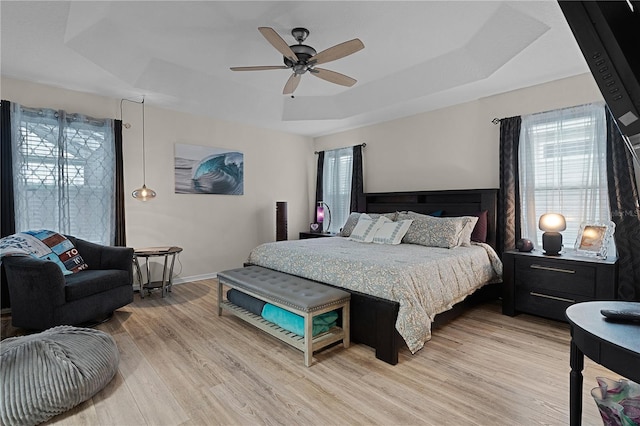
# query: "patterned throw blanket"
{"points": [[424, 280], [46, 245]]}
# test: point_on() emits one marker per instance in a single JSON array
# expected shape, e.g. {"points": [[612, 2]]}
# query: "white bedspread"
{"points": [[424, 280]]}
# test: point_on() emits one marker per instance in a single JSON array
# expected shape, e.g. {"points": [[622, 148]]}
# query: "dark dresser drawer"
{"points": [[548, 285], [543, 304], [556, 277]]}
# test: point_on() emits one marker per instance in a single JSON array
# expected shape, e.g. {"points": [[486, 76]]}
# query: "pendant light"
{"points": [[144, 193]]}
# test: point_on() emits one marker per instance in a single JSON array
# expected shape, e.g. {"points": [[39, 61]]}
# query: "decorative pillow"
{"points": [[46, 245], [392, 232], [391, 216], [439, 231], [366, 228], [480, 230], [352, 221], [479, 233], [411, 215], [467, 230]]}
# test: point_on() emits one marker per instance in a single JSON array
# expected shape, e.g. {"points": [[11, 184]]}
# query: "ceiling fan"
{"points": [[301, 58]]}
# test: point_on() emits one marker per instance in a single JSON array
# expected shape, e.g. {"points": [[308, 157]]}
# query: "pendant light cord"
{"points": [[144, 169], [144, 193]]}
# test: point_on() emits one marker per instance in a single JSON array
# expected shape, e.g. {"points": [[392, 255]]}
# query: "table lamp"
{"points": [[552, 224], [320, 215]]}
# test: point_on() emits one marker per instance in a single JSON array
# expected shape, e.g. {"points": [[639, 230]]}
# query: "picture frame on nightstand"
{"points": [[594, 238]]}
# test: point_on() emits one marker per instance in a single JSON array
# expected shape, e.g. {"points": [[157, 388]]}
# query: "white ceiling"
{"points": [[418, 55]]}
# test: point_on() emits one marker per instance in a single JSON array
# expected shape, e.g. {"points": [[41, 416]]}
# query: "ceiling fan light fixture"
{"points": [[300, 34], [303, 52], [301, 58]]}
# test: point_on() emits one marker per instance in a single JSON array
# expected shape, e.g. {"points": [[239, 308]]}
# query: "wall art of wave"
{"points": [[220, 173]]}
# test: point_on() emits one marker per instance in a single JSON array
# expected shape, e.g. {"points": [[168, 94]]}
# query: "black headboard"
{"points": [[452, 202]]}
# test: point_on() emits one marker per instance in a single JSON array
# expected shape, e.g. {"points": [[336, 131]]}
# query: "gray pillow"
{"points": [[352, 221], [430, 231]]}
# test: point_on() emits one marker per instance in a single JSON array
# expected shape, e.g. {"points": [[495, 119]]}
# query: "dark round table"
{"points": [[167, 276], [614, 345]]}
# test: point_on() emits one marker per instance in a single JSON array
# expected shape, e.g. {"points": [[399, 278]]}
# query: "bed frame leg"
{"points": [[387, 337]]}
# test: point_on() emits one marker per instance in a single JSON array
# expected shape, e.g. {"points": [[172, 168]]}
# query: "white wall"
{"points": [[451, 148], [216, 231], [455, 147]]}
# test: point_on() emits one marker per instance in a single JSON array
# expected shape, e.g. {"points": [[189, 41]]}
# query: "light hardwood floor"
{"points": [[181, 364]]}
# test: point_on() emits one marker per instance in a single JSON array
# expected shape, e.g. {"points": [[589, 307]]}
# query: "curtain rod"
{"points": [[69, 115], [363, 144], [497, 120]]}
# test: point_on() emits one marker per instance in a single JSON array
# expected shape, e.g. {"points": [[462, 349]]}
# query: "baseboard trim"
{"points": [[182, 280]]}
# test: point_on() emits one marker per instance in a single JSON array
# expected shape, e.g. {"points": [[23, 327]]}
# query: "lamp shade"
{"points": [[144, 193], [320, 212], [552, 222]]}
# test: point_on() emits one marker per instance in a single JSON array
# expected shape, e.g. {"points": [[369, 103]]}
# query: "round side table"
{"points": [[167, 278]]}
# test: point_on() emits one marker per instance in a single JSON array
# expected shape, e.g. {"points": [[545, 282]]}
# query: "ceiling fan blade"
{"points": [[291, 85], [260, 68], [333, 77], [338, 51], [276, 41]]}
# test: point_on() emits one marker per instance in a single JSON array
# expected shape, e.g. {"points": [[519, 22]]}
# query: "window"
{"points": [[336, 183], [64, 167], [562, 164]]}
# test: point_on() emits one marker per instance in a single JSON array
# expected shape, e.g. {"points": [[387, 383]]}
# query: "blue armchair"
{"points": [[42, 297]]}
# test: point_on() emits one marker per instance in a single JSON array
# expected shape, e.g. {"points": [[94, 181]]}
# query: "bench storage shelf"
{"points": [[297, 295]]}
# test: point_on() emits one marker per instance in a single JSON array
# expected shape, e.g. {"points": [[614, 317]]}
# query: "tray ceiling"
{"points": [[418, 55]]}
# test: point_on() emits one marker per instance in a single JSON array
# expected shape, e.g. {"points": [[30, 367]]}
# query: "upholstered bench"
{"points": [[294, 294]]}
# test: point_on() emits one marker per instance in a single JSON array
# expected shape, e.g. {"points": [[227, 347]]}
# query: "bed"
{"points": [[390, 303]]}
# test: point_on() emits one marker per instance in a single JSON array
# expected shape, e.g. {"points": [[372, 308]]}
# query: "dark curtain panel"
{"points": [[508, 231], [6, 171], [623, 202], [319, 184], [357, 185], [120, 239], [6, 191]]}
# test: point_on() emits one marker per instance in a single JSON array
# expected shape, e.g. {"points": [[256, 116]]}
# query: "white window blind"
{"points": [[562, 162], [64, 167], [336, 186]]}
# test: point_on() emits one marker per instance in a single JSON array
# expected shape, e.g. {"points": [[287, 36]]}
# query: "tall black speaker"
{"points": [[281, 221]]}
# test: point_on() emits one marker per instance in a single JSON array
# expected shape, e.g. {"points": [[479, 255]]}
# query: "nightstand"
{"points": [[305, 235], [547, 285]]}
